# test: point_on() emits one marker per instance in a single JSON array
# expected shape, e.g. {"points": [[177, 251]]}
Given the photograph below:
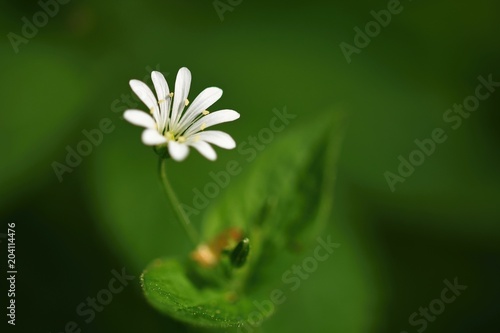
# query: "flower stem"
{"points": [[176, 205]]}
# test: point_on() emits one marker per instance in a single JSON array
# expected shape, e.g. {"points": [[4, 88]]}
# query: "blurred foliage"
{"points": [[397, 248]]}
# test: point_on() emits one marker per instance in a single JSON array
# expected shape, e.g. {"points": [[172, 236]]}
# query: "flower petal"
{"points": [[178, 151], [181, 92], [217, 138], [161, 85], [139, 118], [205, 149], [202, 102], [151, 137], [214, 118], [162, 92], [146, 95]]}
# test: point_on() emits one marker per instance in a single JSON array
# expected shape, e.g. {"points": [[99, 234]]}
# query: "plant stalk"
{"points": [[176, 205]]}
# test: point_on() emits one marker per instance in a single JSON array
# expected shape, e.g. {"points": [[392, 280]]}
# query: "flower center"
{"points": [[171, 137]]}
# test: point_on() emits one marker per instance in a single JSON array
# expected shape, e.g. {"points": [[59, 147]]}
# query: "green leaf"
{"points": [[168, 287], [281, 204], [285, 200]]}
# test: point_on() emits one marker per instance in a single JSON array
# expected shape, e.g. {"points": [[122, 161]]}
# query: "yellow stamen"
{"points": [[181, 139], [186, 102], [205, 112], [171, 94], [169, 136], [203, 126]]}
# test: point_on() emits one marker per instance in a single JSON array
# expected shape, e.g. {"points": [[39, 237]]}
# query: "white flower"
{"points": [[170, 124]]}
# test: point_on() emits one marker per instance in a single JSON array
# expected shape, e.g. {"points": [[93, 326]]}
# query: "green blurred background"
{"points": [[109, 212]]}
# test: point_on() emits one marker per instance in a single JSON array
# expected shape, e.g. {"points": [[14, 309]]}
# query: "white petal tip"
{"points": [[179, 159], [211, 158], [134, 82], [139, 118], [231, 145], [151, 137], [178, 151]]}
